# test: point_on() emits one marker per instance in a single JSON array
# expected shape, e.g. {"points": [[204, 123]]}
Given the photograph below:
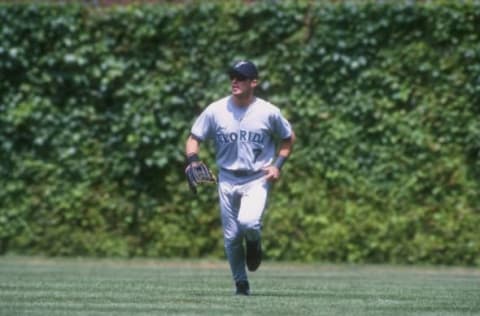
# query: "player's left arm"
{"points": [[286, 146], [285, 149]]}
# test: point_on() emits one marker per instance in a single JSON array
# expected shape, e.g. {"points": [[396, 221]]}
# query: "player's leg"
{"points": [[233, 235], [252, 207]]}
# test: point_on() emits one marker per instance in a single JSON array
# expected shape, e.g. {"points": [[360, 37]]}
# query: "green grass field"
{"points": [[39, 286]]}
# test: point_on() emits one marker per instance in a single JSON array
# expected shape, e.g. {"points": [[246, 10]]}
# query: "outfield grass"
{"points": [[38, 286]]}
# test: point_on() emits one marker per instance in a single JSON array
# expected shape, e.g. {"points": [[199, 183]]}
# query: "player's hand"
{"points": [[271, 173], [198, 173]]}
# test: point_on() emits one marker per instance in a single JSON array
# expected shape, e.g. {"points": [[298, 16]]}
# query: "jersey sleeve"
{"points": [[281, 126], [202, 127]]}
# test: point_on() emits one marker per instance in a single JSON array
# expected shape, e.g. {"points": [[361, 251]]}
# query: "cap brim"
{"points": [[233, 72]]}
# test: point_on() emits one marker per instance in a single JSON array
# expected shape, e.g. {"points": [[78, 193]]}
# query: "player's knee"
{"points": [[249, 225], [233, 243], [232, 236]]}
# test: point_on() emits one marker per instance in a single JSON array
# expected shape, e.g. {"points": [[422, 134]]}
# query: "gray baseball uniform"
{"points": [[244, 140]]}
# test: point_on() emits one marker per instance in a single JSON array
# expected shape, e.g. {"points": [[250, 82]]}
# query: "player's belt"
{"points": [[242, 173]]}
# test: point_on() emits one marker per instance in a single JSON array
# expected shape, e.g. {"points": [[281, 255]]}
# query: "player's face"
{"points": [[242, 86]]}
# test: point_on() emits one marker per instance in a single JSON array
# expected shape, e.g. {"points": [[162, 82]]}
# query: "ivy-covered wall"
{"points": [[96, 104]]}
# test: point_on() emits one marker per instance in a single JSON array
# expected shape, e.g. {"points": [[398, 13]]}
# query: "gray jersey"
{"points": [[243, 136]]}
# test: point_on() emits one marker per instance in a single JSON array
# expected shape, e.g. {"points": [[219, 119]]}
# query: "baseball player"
{"points": [[245, 130]]}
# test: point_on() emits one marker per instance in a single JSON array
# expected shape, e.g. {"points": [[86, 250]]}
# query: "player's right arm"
{"points": [[192, 147], [200, 131]]}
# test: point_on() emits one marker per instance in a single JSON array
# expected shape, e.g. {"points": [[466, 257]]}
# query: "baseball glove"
{"points": [[197, 173]]}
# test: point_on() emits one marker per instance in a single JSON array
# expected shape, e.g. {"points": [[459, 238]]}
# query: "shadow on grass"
{"points": [[286, 294]]}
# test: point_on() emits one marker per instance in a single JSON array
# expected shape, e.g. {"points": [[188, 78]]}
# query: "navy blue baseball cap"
{"points": [[244, 68]]}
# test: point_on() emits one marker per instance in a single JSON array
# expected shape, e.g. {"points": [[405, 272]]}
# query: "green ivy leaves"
{"points": [[95, 107]]}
